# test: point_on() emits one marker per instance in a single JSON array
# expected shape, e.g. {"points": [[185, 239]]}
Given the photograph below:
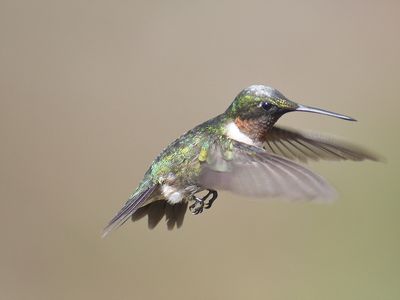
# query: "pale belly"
{"points": [[174, 194]]}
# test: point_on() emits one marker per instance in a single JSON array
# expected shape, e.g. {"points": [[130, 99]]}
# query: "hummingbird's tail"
{"points": [[132, 205]]}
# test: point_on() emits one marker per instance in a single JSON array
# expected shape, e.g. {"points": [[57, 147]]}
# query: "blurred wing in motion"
{"points": [[301, 146], [174, 213], [132, 205], [251, 171]]}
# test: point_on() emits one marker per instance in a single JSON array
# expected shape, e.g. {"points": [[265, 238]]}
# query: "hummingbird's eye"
{"points": [[266, 106]]}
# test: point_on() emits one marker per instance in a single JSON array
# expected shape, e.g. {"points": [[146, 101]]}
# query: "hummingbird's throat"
{"points": [[255, 129]]}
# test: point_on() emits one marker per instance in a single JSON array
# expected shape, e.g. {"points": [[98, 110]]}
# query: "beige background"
{"points": [[91, 91]]}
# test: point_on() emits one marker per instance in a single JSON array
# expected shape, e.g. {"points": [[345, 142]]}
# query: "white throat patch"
{"points": [[233, 132]]}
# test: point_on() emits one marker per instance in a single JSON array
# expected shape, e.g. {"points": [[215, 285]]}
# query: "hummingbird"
{"points": [[242, 151]]}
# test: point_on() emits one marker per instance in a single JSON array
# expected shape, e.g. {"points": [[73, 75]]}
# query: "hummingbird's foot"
{"points": [[197, 206], [203, 202], [210, 202]]}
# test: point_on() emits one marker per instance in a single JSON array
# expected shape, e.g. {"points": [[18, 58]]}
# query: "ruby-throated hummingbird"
{"points": [[241, 151]]}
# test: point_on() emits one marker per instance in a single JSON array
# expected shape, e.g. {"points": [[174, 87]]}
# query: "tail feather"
{"points": [[130, 207]]}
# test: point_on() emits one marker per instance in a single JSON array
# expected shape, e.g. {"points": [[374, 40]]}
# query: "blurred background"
{"points": [[92, 91]]}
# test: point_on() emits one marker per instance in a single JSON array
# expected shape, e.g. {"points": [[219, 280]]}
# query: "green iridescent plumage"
{"points": [[182, 156]]}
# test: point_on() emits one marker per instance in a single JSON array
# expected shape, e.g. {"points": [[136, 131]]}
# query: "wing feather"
{"points": [[301, 146], [252, 171]]}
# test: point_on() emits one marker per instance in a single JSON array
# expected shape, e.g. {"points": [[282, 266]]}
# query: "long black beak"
{"points": [[323, 112]]}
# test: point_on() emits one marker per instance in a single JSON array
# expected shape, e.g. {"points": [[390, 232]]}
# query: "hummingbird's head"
{"points": [[260, 101], [258, 107]]}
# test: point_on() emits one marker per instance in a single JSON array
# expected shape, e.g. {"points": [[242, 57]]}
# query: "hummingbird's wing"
{"points": [[132, 205], [302, 146], [251, 171]]}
